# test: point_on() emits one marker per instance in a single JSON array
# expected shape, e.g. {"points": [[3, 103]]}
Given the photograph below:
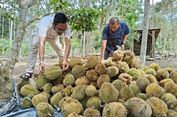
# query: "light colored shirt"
{"points": [[45, 28]]}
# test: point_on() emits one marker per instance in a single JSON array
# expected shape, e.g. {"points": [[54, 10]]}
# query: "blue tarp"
{"points": [[31, 112]]}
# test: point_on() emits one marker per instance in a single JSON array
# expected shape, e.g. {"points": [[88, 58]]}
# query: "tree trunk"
{"points": [[6, 68], [145, 32]]}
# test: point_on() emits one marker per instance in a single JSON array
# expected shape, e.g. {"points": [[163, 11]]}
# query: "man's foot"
{"points": [[26, 75]]}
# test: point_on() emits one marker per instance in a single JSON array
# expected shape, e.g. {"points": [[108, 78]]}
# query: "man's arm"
{"points": [[103, 47], [41, 53], [66, 53]]}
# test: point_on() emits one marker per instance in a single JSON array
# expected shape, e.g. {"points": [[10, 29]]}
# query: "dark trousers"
{"points": [[107, 53]]}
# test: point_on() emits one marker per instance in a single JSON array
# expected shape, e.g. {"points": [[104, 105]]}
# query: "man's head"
{"points": [[114, 24], [59, 23]]}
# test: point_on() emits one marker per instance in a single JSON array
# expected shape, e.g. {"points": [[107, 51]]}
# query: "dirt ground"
{"points": [[21, 66]]}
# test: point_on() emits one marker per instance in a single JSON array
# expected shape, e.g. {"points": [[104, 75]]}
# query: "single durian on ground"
{"points": [[101, 79], [40, 81], [155, 66], [112, 71], [126, 93], [134, 87], [151, 78], [138, 107], [164, 81], [128, 55], [159, 108], [100, 68], [154, 90], [28, 90], [69, 105], [26, 102], [69, 80], [135, 62], [44, 109], [123, 66], [135, 73], [78, 71], [67, 91], [118, 84], [82, 81], [78, 92], [142, 83], [108, 93], [114, 109], [92, 75], [162, 74], [47, 87], [150, 71], [171, 88], [125, 77], [92, 61], [57, 88], [53, 72], [94, 102], [55, 99], [118, 55], [92, 112], [169, 99], [74, 62], [143, 96], [91, 91], [38, 98], [47, 95], [173, 76]]}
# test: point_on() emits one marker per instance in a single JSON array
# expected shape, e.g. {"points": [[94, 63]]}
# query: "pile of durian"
{"points": [[120, 87]]}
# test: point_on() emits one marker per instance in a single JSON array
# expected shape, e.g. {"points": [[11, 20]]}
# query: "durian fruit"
{"points": [[159, 108], [114, 109], [142, 83], [150, 71], [82, 81], [38, 98], [78, 92], [74, 62], [142, 72], [169, 69], [101, 79], [44, 109], [78, 71], [67, 90], [173, 76], [134, 87], [125, 78], [154, 90], [21, 84], [122, 66], [128, 55], [28, 90], [135, 62], [169, 99], [47, 95], [109, 62], [138, 107], [171, 113], [92, 61], [118, 55], [126, 93], [100, 68], [74, 115], [57, 88], [151, 78], [53, 72], [171, 88], [155, 66], [91, 91], [134, 73], [47, 87], [108, 93], [69, 105], [55, 99], [91, 75], [40, 81], [93, 102], [164, 81], [118, 84], [92, 112], [112, 71], [68, 80], [143, 96], [26, 102], [162, 74]]}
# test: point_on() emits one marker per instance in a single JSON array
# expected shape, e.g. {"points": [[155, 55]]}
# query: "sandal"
{"points": [[26, 75]]}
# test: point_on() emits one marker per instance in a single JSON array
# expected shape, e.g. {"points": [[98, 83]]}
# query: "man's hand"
{"points": [[102, 61], [122, 46], [65, 65], [41, 67]]}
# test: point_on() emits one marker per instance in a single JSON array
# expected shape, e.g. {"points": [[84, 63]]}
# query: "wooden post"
{"points": [[153, 45]]}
